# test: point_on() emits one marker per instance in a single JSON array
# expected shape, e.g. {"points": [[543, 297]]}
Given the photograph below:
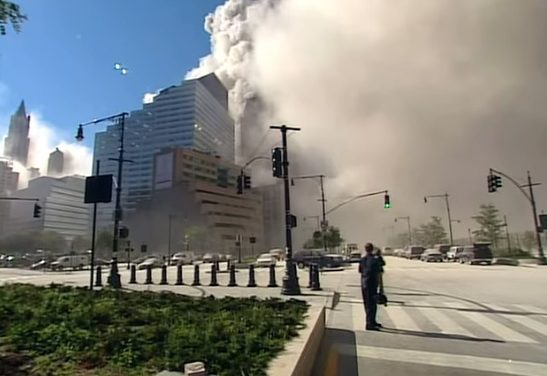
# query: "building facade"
{"points": [[63, 208], [55, 163], [9, 180], [16, 144], [194, 192], [191, 115]]}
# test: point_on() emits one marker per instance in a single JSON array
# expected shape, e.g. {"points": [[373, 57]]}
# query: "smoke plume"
{"points": [[418, 97]]}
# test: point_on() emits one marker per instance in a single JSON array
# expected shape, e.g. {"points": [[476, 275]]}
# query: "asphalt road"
{"points": [[442, 319]]}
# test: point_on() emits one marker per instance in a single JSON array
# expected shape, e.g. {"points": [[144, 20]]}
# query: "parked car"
{"points": [[454, 253], [431, 255], [70, 262], [387, 251], [182, 258], [265, 260], [399, 252], [478, 253], [334, 260], [278, 253], [42, 264], [210, 257], [313, 256], [354, 257], [442, 248], [154, 262], [413, 252]]}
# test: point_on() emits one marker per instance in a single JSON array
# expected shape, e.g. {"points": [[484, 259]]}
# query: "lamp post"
{"points": [[445, 196], [120, 118], [407, 218]]}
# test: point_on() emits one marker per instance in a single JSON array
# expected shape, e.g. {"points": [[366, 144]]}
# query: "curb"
{"points": [[298, 357], [505, 261]]}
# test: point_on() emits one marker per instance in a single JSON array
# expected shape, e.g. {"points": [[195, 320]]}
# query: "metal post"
{"points": [[323, 226], [118, 210], [449, 218], [94, 230], [128, 255], [507, 234], [290, 280], [536, 224], [409, 231], [470, 236], [169, 241]]}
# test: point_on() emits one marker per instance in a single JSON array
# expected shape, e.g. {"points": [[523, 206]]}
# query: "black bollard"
{"points": [[252, 282], [163, 280], [133, 277], [310, 275], [196, 276], [148, 280], [179, 275], [232, 282], [316, 286], [99, 277], [214, 274], [228, 264], [272, 277]]}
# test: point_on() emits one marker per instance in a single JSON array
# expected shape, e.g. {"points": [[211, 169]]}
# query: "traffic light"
{"points": [[240, 185], [494, 182], [37, 211], [123, 233], [387, 202], [277, 162], [144, 248], [246, 182]]}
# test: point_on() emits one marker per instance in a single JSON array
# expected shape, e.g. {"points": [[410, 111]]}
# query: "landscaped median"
{"points": [[60, 330]]}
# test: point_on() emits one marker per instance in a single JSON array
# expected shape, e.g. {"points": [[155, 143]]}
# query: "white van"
{"points": [[70, 262]]}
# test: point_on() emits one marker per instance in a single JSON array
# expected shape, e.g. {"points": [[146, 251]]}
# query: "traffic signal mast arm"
{"points": [[520, 187], [384, 192]]}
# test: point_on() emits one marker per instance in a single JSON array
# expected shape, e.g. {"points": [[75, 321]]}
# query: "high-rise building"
{"points": [[55, 163], [63, 208], [191, 115], [17, 142], [8, 184], [33, 172], [194, 192]]}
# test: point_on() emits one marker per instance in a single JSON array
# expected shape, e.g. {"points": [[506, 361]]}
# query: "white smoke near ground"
{"points": [[416, 97]]}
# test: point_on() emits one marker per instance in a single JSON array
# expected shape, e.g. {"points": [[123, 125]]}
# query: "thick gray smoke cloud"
{"points": [[416, 97]]}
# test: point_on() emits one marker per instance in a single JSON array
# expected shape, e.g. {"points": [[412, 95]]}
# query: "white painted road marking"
{"points": [[444, 322], [500, 330], [476, 363], [401, 319], [528, 322]]}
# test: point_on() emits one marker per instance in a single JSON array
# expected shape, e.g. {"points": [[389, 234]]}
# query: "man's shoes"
{"points": [[378, 325], [372, 327]]}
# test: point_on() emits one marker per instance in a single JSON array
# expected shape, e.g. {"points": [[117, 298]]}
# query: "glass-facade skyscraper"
{"points": [[191, 115]]}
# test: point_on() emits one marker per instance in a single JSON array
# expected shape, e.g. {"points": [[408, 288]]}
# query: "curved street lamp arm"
{"points": [[356, 198], [96, 121], [514, 182], [254, 159]]}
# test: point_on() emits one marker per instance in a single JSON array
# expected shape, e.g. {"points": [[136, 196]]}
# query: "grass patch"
{"points": [[74, 331]]}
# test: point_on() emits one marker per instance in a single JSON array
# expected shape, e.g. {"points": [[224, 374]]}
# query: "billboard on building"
{"points": [[163, 177]]}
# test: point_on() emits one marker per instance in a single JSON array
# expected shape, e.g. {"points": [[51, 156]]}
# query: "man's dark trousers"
{"points": [[371, 306]]}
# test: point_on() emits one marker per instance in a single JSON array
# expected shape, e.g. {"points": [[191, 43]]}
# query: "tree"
{"points": [[528, 240], [430, 233], [80, 243], [489, 224], [399, 240], [332, 239], [52, 241], [196, 237], [10, 13]]}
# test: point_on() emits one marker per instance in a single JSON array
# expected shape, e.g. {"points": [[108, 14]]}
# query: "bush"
{"points": [[73, 330]]}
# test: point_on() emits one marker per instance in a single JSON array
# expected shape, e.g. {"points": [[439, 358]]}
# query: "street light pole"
{"points": [[445, 196], [407, 218], [290, 280], [323, 208], [169, 240]]}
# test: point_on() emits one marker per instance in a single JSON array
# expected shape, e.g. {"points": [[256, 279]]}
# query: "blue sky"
{"points": [[62, 61]]}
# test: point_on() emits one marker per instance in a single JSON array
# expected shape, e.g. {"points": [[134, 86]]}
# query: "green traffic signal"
{"points": [[387, 202]]}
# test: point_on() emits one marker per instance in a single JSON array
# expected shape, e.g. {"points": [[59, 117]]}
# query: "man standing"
{"points": [[369, 267]]}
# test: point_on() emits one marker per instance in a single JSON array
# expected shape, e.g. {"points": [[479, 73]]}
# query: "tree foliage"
{"points": [[333, 239], [489, 223], [528, 240], [10, 13], [430, 233], [398, 240]]}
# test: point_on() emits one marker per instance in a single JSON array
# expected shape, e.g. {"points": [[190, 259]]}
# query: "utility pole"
{"points": [[445, 196], [470, 236], [407, 218], [93, 232], [324, 224], [507, 233], [290, 280], [492, 177]]}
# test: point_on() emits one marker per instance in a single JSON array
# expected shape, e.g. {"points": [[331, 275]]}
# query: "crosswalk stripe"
{"points": [[444, 322], [457, 305], [400, 318], [531, 309], [475, 363], [501, 331], [528, 322], [358, 315]]}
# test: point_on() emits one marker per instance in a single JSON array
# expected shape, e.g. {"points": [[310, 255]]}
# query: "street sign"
{"points": [[543, 221], [98, 189], [252, 240]]}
